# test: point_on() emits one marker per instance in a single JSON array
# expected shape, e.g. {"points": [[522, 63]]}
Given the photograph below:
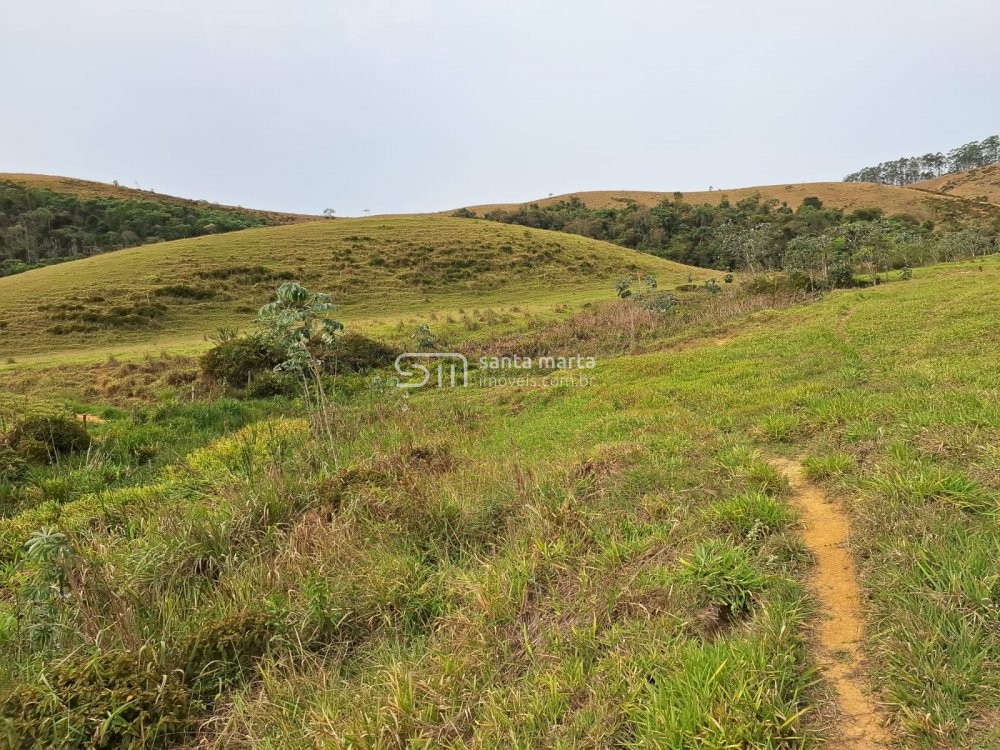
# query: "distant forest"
{"points": [[912, 169], [757, 234], [39, 227]]}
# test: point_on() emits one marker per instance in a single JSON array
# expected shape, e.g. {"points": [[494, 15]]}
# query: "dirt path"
{"points": [[860, 724]]}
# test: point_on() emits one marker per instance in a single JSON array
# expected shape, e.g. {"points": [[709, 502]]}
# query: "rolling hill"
{"points": [[972, 185], [89, 189], [173, 293], [847, 195]]}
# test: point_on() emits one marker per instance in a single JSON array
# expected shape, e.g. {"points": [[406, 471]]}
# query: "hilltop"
{"points": [[89, 189], [849, 196], [173, 293], [48, 220]]}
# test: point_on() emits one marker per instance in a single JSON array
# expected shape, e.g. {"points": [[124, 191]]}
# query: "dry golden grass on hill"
{"points": [[972, 185], [847, 195]]}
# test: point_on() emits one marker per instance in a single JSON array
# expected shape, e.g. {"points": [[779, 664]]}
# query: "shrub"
{"points": [[113, 699], [238, 360], [356, 353], [661, 302], [782, 283], [226, 648], [270, 383], [183, 291], [12, 464], [43, 437]]}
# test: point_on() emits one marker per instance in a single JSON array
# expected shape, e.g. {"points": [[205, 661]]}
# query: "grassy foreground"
{"points": [[611, 564]]}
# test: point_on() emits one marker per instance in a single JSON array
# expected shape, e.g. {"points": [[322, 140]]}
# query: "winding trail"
{"points": [[860, 723]]}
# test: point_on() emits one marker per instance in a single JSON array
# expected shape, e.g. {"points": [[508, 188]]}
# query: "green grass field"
{"points": [[614, 564], [168, 296]]}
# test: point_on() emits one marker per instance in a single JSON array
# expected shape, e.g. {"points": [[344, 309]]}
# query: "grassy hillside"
{"points": [[971, 185], [172, 294], [617, 563], [88, 189], [849, 196]]}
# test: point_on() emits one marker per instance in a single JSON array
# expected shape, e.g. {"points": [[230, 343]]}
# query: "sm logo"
{"points": [[443, 369]]}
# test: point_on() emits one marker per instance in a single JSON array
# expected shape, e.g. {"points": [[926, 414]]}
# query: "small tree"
{"points": [[811, 255], [298, 316], [748, 248], [868, 244], [298, 322], [424, 337]]}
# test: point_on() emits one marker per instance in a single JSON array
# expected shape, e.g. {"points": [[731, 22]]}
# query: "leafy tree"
{"points": [[965, 243], [746, 247], [811, 255], [868, 244]]}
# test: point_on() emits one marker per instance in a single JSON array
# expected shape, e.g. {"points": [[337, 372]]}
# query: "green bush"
{"points": [[12, 464], [353, 352], [112, 699], [782, 283], [43, 438], [238, 360], [226, 648], [269, 383]]}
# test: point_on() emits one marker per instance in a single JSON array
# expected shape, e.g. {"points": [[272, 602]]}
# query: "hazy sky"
{"points": [[412, 105]]}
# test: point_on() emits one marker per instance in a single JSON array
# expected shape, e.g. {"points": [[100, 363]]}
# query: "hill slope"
{"points": [[173, 293], [971, 185], [849, 196], [88, 189], [616, 565]]}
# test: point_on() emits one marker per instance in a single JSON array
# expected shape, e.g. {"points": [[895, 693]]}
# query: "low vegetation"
{"points": [[615, 564]]}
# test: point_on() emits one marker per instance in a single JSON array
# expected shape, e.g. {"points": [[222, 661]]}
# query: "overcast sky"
{"points": [[417, 105]]}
